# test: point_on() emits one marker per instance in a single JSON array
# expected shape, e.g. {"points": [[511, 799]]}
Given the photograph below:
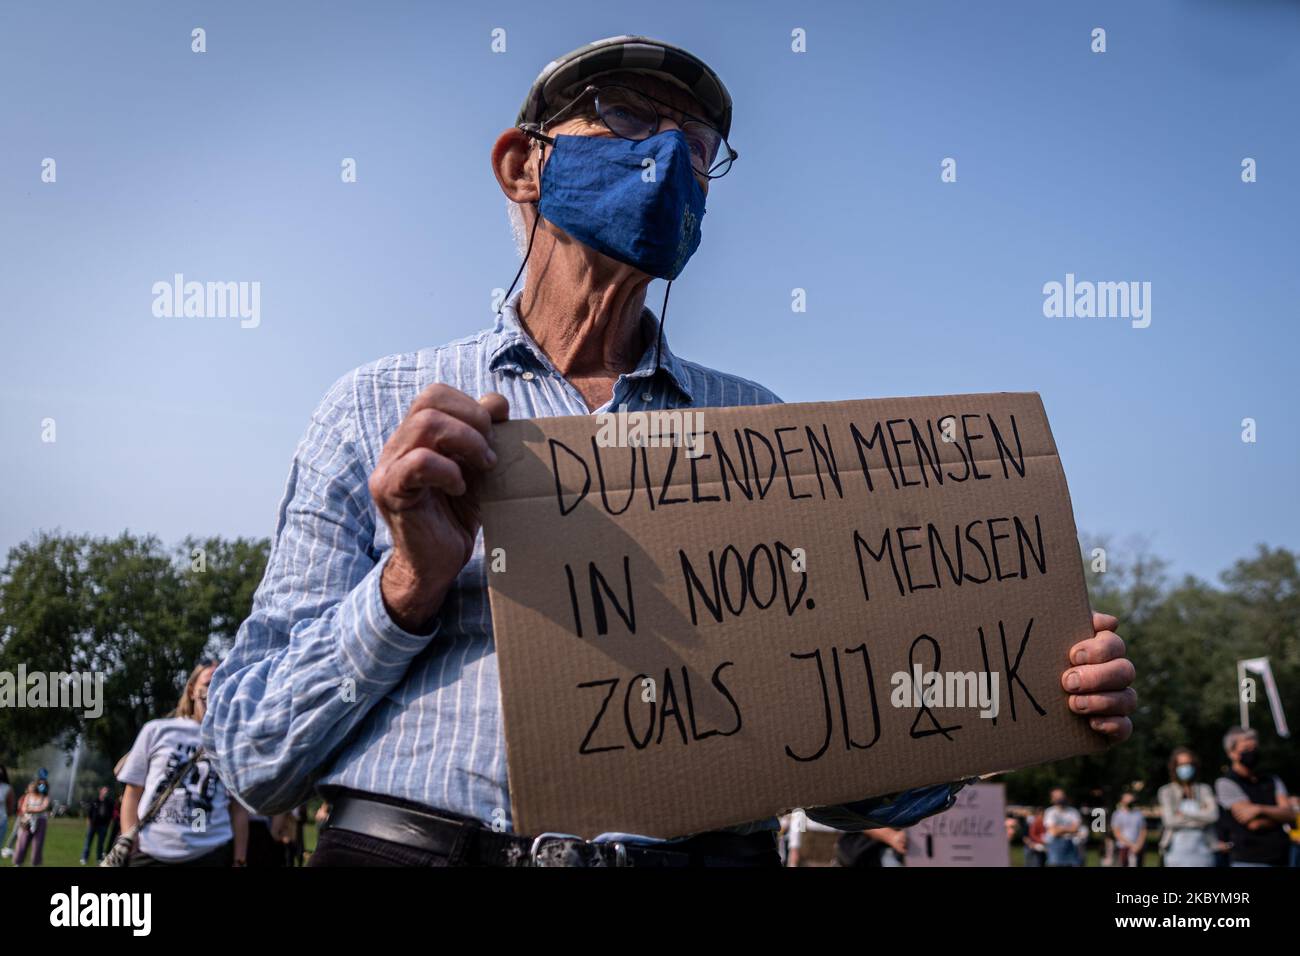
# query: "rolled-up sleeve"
{"points": [[897, 811], [319, 648]]}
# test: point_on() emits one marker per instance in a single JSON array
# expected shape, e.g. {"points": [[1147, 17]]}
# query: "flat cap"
{"points": [[564, 78]]}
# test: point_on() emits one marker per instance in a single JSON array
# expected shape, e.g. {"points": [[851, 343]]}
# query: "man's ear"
{"points": [[512, 163]]}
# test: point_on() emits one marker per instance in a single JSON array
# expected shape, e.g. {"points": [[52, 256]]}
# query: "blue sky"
{"points": [[224, 166]]}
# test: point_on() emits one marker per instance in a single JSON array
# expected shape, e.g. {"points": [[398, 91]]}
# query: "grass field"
{"points": [[65, 836]]}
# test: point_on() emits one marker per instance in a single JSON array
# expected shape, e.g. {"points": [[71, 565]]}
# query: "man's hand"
{"points": [[1098, 683], [426, 488]]}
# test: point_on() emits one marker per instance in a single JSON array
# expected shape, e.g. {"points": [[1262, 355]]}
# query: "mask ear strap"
{"points": [[537, 218], [663, 317], [538, 135]]}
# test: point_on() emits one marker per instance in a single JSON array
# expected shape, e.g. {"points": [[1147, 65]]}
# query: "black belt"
{"points": [[465, 842]]}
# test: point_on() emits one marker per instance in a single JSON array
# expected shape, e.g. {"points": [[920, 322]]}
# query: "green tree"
{"points": [[127, 608], [220, 577], [1184, 640], [43, 625]]}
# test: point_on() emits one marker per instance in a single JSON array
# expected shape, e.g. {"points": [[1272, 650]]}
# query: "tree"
{"points": [[220, 577], [127, 609], [42, 626], [1184, 642]]}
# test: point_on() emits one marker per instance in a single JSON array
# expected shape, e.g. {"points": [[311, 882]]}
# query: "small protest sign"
{"points": [[972, 832]]}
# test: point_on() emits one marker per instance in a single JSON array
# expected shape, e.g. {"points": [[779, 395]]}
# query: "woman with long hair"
{"points": [[33, 817], [1188, 811], [198, 824]]}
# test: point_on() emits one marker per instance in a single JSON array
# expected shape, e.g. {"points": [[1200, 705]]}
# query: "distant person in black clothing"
{"points": [[1255, 802], [116, 827], [882, 846], [263, 847], [1222, 837], [299, 825], [99, 817]]}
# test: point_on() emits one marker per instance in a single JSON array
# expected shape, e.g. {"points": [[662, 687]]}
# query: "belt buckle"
{"points": [[586, 851]]}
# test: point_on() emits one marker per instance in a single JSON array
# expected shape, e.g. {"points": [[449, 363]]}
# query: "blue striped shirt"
{"points": [[322, 687]]}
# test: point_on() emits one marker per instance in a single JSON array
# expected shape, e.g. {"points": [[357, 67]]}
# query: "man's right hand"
{"points": [[426, 488]]}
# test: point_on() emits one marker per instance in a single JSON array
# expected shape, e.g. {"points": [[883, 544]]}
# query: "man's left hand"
{"points": [[1098, 682]]}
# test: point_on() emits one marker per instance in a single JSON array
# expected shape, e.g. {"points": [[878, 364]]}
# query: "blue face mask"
{"points": [[602, 191], [1185, 772]]}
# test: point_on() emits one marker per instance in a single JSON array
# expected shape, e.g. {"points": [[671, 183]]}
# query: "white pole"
{"points": [[1241, 696], [76, 761]]}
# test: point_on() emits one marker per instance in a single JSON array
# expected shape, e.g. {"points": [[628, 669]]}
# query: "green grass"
{"points": [[1093, 856], [64, 837]]}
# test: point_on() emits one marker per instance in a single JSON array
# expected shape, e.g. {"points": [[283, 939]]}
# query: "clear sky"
{"points": [[225, 166]]}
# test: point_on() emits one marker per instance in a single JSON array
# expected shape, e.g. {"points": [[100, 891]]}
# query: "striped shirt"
{"points": [[322, 688]]}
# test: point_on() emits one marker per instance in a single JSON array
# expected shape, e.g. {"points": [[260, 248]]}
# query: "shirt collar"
{"points": [[515, 347]]}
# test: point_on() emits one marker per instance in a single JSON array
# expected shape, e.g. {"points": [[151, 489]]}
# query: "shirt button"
{"points": [[527, 376], [647, 396]]}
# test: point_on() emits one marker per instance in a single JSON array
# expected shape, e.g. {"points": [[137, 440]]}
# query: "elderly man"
{"points": [[1256, 802], [368, 666]]}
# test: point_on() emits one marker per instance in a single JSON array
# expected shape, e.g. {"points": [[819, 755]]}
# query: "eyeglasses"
{"points": [[631, 114]]}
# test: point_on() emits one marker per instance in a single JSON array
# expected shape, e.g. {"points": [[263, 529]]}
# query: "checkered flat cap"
{"points": [[564, 78]]}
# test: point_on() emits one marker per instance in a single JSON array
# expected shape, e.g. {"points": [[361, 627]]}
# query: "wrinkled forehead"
{"points": [[655, 85]]}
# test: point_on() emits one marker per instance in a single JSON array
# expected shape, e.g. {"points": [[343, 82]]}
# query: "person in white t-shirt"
{"points": [[198, 824]]}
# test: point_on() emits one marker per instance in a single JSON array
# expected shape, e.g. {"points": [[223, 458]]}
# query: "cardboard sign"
{"points": [[973, 832], [707, 631]]}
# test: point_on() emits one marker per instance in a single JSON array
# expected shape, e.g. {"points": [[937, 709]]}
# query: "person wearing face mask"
{"points": [[1188, 811], [1256, 803], [33, 818], [1063, 825], [1129, 828], [377, 579]]}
